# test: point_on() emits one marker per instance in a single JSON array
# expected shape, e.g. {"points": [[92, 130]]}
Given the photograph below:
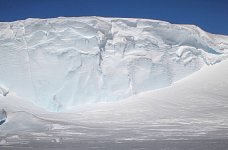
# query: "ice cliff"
{"points": [[63, 62]]}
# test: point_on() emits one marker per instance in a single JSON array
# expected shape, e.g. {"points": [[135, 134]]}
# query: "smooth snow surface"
{"points": [[189, 115], [63, 62]]}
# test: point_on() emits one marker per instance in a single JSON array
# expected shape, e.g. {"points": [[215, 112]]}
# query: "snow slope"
{"points": [[191, 114], [63, 62]]}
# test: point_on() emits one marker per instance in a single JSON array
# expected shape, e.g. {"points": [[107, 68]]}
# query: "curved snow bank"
{"points": [[201, 96], [63, 62]]}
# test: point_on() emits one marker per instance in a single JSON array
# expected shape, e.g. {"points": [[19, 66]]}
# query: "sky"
{"points": [[210, 15]]}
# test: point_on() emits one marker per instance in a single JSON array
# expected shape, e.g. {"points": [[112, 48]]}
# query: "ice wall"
{"points": [[62, 62]]}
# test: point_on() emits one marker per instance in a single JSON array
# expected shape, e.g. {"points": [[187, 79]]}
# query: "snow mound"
{"points": [[63, 62]]}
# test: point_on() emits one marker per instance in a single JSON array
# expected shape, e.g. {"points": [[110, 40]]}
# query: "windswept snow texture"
{"points": [[63, 62]]}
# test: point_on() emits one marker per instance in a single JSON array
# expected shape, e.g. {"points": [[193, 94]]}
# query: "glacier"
{"points": [[62, 62], [112, 83]]}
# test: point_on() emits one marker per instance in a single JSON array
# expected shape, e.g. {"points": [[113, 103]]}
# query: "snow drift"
{"points": [[63, 62]]}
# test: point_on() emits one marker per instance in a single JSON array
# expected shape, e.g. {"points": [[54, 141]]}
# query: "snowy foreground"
{"points": [[112, 84]]}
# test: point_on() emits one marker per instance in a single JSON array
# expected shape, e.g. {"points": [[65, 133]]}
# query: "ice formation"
{"points": [[3, 90], [3, 116], [63, 62]]}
